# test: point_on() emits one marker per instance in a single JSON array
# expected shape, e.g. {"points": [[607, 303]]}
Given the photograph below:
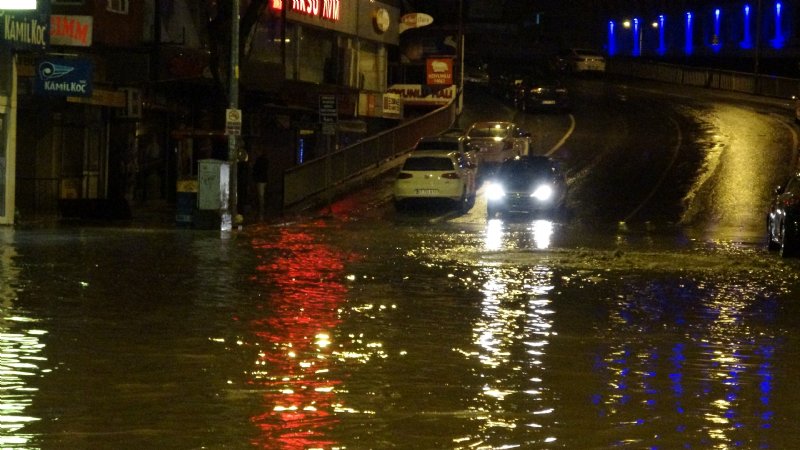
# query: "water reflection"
{"points": [[717, 370], [539, 235], [512, 335], [296, 339], [21, 356]]}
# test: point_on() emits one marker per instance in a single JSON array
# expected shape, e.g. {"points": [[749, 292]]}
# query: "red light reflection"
{"points": [[293, 369]]}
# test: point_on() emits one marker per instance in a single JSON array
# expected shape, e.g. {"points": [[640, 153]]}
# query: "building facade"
{"points": [[120, 100]]}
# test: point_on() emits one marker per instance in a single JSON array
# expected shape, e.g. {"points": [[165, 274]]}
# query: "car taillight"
{"points": [[451, 176], [404, 176]]}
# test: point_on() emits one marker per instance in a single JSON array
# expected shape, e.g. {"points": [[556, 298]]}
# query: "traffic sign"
{"points": [[233, 122]]}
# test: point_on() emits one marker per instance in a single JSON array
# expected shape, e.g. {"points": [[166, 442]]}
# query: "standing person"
{"points": [[260, 172]]}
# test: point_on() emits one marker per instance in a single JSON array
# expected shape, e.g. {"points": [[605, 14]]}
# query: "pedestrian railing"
{"points": [[749, 83], [324, 174]]}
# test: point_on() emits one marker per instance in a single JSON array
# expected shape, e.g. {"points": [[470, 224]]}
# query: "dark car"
{"points": [[783, 220], [530, 184], [541, 91]]}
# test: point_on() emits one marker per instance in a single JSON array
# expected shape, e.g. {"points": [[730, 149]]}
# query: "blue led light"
{"points": [[747, 41], [688, 45]]}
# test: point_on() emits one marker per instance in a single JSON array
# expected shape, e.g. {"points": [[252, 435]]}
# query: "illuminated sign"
{"points": [[18, 4], [71, 30], [64, 77], [325, 9], [418, 94], [25, 30], [439, 70]]}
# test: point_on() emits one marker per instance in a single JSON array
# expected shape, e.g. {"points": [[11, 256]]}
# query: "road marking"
{"points": [[564, 138]]}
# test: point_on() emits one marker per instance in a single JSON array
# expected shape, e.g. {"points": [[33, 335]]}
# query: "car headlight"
{"points": [[543, 192], [495, 191]]}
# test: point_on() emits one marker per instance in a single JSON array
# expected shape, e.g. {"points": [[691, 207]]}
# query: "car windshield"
{"points": [[437, 145], [428, 163], [489, 132], [520, 174]]}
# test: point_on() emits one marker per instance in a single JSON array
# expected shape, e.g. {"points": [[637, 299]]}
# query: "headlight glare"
{"points": [[543, 192], [494, 191]]}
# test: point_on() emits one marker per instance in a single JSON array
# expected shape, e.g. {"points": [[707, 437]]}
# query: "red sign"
{"points": [[326, 9], [440, 70]]}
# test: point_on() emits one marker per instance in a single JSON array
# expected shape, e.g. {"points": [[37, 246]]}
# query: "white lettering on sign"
{"points": [[329, 10], [26, 32], [65, 87], [310, 7]]}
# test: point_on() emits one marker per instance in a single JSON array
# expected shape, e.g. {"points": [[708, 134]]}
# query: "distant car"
{"points": [[450, 141], [429, 175], [477, 75], [582, 60], [783, 220], [496, 142], [533, 184], [541, 91]]}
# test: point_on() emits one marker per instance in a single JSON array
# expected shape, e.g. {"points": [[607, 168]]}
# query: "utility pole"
{"points": [[231, 212]]}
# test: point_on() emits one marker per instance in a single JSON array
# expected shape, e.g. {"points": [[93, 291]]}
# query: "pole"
{"points": [[233, 94]]}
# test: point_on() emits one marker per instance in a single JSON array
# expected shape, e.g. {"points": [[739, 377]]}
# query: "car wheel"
{"points": [[772, 241], [789, 244], [463, 202]]}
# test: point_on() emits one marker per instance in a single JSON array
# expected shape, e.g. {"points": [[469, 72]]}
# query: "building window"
{"points": [[117, 6]]}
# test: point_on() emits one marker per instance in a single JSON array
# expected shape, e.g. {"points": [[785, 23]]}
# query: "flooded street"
{"points": [[340, 333], [649, 315]]}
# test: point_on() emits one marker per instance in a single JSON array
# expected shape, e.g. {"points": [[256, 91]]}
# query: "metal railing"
{"points": [[321, 175], [749, 83]]}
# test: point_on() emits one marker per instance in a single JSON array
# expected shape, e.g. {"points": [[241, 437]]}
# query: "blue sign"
{"points": [[64, 77], [26, 30]]}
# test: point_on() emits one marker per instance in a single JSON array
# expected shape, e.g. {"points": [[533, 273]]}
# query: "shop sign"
{"points": [[392, 106], [414, 20], [439, 71], [26, 29], [71, 30], [64, 77], [419, 94], [326, 9]]}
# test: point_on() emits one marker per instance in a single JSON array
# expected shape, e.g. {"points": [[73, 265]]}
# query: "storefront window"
{"points": [[370, 67], [315, 46]]}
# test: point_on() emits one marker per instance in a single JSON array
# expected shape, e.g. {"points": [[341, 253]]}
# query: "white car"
{"points": [[584, 60], [429, 175], [496, 142]]}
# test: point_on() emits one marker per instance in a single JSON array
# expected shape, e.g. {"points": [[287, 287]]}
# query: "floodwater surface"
{"points": [[337, 334]]}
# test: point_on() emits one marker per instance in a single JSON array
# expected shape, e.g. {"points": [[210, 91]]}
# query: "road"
{"points": [[651, 316]]}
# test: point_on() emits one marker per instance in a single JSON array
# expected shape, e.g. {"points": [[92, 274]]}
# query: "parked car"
{"points": [[533, 184], [450, 141], [783, 220], [496, 142], [581, 60], [429, 175], [540, 91]]}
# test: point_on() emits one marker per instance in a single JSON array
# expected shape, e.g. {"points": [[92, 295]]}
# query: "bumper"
{"points": [[446, 191]]}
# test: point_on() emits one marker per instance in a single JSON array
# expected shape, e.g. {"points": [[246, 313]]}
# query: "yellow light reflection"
{"points": [[493, 239], [542, 234], [20, 354]]}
